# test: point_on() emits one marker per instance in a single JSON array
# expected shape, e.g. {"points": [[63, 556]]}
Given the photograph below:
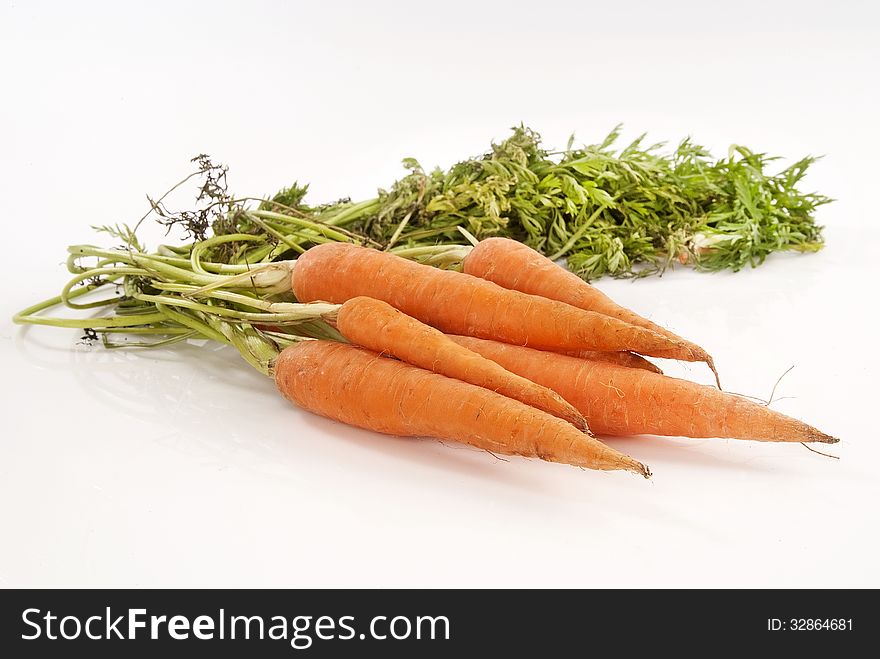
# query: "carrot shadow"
{"points": [[425, 453], [205, 398], [701, 453]]}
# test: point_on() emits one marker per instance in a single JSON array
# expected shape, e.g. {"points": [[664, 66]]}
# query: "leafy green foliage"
{"points": [[125, 233], [623, 212], [291, 197]]}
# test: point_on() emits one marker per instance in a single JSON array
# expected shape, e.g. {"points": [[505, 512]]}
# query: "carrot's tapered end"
{"points": [[807, 433], [575, 418], [691, 352], [568, 413], [711, 364], [823, 438], [652, 367], [637, 467], [581, 424], [700, 355], [592, 453]]}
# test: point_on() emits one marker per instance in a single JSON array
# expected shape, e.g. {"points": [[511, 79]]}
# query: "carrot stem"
{"points": [[198, 248], [322, 229], [66, 292], [283, 313]]}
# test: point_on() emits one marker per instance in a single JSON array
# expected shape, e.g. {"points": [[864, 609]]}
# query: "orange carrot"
{"points": [[628, 359], [361, 388], [626, 401], [516, 266], [457, 303], [381, 328]]}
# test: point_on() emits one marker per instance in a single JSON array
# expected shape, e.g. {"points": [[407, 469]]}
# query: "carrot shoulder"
{"points": [[457, 303], [516, 266], [625, 401], [378, 326], [361, 388]]}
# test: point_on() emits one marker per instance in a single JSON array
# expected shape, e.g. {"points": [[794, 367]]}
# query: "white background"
{"points": [[184, 468]]}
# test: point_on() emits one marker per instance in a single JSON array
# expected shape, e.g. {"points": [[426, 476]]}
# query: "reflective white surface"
{"points": [[182, 467]]}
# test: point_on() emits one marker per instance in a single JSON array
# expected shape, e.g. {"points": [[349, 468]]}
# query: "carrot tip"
{"points": [[706, 357], [639, 468], [581, 424], [819, 436], [717, 379]]}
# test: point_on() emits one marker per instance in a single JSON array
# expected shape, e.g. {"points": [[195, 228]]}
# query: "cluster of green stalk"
{"points": [[624, 212], [172, 295]]}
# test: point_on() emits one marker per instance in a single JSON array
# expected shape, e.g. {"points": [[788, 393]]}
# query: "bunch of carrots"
{"points": [[512, 353]]}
